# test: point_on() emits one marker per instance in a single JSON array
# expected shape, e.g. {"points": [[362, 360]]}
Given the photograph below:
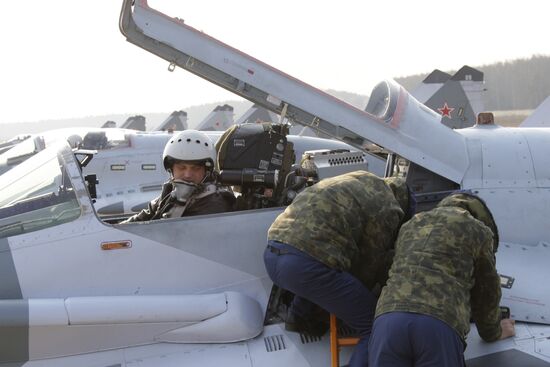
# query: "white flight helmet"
{"points": [[189, 146]]}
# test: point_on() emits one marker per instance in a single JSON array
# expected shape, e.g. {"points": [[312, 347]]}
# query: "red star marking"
{"points": [[445, 110]]}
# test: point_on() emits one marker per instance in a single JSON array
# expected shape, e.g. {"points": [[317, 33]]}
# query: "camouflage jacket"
{"points": [[444, 266], [343, 221], [218, 202]]}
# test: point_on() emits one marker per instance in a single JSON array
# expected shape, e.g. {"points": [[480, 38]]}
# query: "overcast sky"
{"points": [[67, 58]]}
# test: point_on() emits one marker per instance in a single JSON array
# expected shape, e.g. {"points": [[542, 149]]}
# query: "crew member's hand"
{"points": [[508, 329]]}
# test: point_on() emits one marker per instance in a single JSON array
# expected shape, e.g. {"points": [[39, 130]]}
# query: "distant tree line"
{"points": [[511, 85]]}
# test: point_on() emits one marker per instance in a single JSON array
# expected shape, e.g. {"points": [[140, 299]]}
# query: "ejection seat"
{"points": [[255, 159]]}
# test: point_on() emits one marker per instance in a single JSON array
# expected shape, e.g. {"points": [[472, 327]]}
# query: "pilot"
{"points": [[192, 189], [330, 248], [443, 274]]}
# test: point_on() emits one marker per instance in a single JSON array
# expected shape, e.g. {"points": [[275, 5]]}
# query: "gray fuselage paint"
{"points": [[14, 312]]}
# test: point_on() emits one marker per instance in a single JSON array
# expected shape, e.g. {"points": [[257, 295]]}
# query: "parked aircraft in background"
{"points": [[457, 98], [540, 117]]}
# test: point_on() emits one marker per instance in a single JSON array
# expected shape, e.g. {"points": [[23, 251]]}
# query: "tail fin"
{"points": [[451, 102], [540, 117], [473, 83], [135, 123], [177, 121], [430, 85], [220, 119], [109, 124], [457, 98]]}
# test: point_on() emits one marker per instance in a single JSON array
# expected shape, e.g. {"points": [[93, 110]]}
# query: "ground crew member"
{"points": [[314, 247], [192, 190], [443, 272]]}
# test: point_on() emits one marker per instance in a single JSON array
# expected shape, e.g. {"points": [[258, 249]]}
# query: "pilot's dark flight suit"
{"points": [[213, 199], [444, 266], [331, 245]]}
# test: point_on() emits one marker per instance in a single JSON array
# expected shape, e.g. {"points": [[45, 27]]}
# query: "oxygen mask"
{"points": [[183, 190]]}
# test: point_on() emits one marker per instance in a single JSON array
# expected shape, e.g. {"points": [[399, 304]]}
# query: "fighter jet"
{"points": [[76, 290]]}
